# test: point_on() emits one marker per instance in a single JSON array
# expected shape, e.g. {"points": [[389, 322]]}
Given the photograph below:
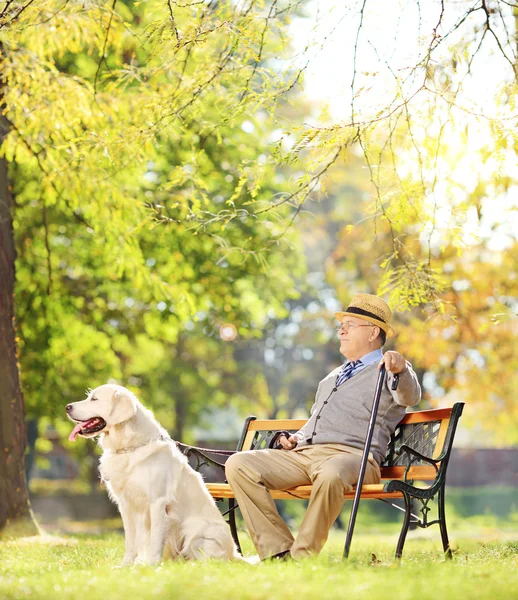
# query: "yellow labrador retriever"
{"points": [[165, 507]]}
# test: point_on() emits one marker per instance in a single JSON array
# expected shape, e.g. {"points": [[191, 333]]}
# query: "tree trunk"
{"points": [[16, 517]]}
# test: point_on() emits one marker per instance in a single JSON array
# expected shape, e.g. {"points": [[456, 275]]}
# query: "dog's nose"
{"points": [[69, 408]]}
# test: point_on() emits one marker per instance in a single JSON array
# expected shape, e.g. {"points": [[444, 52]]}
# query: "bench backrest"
{"points": [[430, 432]]}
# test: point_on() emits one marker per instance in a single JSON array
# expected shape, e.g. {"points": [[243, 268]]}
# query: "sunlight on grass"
{"points": [[84, 565]]}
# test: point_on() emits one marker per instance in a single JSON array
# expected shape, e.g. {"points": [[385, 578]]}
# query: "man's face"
{"points": [[356, 337]]}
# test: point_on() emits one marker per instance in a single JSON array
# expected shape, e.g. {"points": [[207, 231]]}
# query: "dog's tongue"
{"points": [[75, 431]]}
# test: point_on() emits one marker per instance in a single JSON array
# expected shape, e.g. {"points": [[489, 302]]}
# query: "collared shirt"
{"points": [[364, 361]]}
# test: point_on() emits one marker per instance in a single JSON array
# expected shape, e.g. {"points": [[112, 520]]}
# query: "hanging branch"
{"points": [[4, 22], [260, 53], [105, 45], [173, 23]]}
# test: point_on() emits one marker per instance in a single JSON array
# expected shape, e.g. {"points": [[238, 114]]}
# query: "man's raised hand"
{"points": [[393, 361]]}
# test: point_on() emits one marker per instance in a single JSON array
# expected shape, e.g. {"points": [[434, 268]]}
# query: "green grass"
{"points": [[82, 567]]}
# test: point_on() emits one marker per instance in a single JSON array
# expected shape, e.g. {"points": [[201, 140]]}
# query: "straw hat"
{"points": [[369, 308]]}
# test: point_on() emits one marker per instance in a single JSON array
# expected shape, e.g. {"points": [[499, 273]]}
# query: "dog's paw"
{"points": [[252, 560], [127, 562]]}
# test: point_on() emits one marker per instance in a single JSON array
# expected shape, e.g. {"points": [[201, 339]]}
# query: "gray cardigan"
{"points": [[341, 415]]}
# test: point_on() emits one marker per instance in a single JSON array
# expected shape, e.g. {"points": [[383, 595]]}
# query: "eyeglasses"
{"points": [[344, 327]]}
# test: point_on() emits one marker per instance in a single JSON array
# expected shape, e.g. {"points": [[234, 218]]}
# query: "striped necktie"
{"points": [[347, 372]]}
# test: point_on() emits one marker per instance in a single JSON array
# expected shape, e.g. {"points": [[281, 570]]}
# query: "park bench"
{"points": [[414, 468]]}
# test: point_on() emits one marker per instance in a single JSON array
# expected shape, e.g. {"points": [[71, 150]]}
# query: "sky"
{"points": [[393, 37]]}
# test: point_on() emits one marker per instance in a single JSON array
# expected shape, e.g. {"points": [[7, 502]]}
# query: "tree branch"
{"points": [[105, 44]]}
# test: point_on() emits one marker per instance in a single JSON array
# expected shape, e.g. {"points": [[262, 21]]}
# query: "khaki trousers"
{"points": [[331, 468]]}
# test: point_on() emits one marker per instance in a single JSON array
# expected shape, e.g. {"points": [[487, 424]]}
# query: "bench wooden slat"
{"points": [[439, 444], [249, 438], [223, 490], [303, 492], [421, 473], [424, 416], [418, 416], [276, 424]]}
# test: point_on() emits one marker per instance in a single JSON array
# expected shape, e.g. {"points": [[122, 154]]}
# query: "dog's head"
{"points": [[105, 406]]}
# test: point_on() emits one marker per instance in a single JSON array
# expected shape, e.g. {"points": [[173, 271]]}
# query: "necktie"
{"points": [[347, 372]]}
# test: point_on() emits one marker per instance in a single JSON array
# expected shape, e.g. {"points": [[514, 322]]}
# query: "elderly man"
{"points": [[327, 451]]}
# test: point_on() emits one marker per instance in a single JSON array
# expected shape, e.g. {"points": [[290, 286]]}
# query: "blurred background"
{"points": [[192, 241], [203, 384]]}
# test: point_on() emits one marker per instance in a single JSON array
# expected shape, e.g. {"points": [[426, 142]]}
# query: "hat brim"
{"points": [[386, 328]]}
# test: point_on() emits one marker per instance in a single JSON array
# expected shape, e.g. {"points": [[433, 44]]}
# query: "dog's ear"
{"points": [[124, 406]]}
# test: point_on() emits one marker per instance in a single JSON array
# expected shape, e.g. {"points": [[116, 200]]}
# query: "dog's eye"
{"points": [[93, 399]]}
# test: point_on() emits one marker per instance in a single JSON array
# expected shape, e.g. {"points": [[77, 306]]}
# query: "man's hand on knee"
{"points": [[288, 443]]}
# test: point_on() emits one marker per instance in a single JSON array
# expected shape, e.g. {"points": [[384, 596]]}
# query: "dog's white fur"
{"points": [[165, 507]]}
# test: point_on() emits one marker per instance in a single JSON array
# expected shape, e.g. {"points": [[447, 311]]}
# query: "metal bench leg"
{"points": [[442, 524], [406, 524], [232, 507]]}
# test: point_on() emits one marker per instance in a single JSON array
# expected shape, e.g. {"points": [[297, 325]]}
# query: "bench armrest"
{"points": [[415, 455], [418, 455]]}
